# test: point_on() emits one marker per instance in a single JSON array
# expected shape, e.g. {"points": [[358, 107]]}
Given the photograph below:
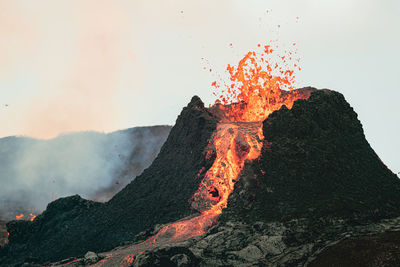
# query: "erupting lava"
{"points": [[255, 92], [256, 86]]}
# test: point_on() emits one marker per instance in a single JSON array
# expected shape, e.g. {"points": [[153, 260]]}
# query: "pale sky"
{"points": [[107, 65]]}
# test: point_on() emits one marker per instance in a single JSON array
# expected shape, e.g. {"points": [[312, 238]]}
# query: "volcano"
{"points": [[305, 178], [268, 175]]}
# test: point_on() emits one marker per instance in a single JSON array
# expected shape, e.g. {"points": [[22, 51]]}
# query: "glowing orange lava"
{"points": [[257, 86], [20, 216], [32, 217]]}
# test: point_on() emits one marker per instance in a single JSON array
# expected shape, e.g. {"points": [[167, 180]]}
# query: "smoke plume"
{"points": [[94, 165]]}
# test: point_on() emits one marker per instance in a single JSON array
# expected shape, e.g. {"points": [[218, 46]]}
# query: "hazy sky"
{"points": [[106, 65]]}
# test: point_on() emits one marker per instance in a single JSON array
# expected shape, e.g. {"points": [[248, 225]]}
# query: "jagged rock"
{"points": [[181, 260], [270, 245], [91, 258], [250, 253], [168, 255]]}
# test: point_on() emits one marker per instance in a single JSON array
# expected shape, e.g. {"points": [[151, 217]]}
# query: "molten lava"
{"points": [[256, 89], [20, 216], [257, 86], [33, 216]]}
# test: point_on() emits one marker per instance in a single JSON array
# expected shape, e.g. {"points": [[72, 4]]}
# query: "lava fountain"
{"points": [[260, 84]]}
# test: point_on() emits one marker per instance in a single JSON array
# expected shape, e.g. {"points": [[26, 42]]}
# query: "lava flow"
{"points": [[256, 90]]}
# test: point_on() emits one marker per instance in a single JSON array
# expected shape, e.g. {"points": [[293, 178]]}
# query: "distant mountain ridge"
{"points": [[93, 164]]}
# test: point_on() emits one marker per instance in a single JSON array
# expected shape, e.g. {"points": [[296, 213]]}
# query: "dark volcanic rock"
{"points": [[3, 233], [292, 243], [315, 163], [167, 256], [381, 249], [72, 226]]}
